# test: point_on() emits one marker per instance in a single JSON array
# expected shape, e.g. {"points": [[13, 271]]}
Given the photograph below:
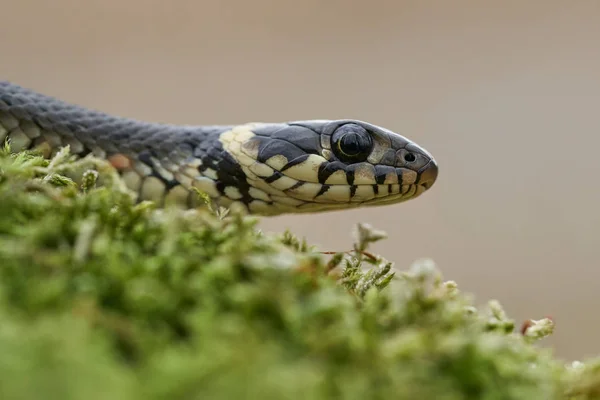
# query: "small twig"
{"points": [[364, 253]]}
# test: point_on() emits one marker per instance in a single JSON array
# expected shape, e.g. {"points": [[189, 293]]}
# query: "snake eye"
{"points": [[352, 143]]}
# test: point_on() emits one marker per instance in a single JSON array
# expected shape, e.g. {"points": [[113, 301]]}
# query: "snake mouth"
{"points": [[372, 193], [318, 204], [309, 196], [343, 196]]}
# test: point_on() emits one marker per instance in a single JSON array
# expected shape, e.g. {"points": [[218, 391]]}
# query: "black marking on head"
{"points": [[295, 161], [352, 190], [381, 172], [304, 138], [328, 168], [295, 186], [350, 170], [350, 176], [400, 173], [323, 190], [376, 189], [272, 147], [276, 175]]}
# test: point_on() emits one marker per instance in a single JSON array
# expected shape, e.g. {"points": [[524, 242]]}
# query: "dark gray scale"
{"points": [[268, 130], [397, 142], [389, 157], [214, 153], [314, 126]]}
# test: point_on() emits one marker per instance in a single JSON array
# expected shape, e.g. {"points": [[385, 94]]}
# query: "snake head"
{"points": [[320, 165]]}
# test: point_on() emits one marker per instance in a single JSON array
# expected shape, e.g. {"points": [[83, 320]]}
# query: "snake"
{"points": [[260, 168]]}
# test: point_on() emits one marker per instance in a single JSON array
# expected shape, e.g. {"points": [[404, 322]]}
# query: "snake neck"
{"points": [[160, 162]]}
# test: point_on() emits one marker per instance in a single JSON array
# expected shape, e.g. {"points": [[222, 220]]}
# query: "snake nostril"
{"points": [[409, 157]]}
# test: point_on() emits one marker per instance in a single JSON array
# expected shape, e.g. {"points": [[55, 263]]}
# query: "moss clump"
{"points": [[101, 297]]}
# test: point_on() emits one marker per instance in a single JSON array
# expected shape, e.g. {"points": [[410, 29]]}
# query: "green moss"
{"points": [[101, 297]]}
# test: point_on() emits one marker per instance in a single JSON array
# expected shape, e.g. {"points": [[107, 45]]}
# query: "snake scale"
{"points": [[258, 168]]}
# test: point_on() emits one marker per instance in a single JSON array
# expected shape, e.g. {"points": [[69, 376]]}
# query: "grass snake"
{"points": [[258, 168]]}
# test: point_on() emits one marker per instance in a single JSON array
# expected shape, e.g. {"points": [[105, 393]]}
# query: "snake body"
{"points": [[258, 168]]}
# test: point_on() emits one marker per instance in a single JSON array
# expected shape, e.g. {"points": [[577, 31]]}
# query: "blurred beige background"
{"points": [[505, 94]]}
